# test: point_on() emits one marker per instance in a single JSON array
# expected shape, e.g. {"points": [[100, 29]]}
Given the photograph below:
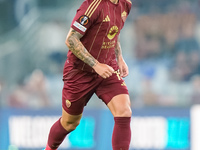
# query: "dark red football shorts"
{"points": [[80, 85]]}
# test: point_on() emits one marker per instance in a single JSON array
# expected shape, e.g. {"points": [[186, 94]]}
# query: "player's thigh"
{"points": [[114, 93], [77, 90], [111, 87], [70, 122], [120, 106]]}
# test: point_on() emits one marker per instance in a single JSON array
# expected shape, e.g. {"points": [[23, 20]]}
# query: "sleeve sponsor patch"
{"points": [[83, 20], [79, 26]]}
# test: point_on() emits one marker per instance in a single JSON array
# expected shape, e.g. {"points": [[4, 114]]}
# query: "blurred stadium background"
{"points": [[161, 45]]}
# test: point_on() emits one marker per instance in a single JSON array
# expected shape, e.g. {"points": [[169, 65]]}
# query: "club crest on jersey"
{"points": [[68, 103], [124, 16], [83, 20], [113, 31]]}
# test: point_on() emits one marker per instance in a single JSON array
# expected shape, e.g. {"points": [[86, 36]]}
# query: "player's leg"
{"points": [[120, 106], [121, 110], [61, 128], [70, 122], [114, 93], [71, 113]]}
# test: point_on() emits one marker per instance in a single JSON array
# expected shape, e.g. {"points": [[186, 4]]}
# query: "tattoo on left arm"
{"points": [[118, 51]]}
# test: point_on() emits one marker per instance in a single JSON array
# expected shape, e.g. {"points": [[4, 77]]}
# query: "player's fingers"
{"points": [[111, 69], [124, 72], [104, 76], [125, 75], [107, 74], [121, 72]]}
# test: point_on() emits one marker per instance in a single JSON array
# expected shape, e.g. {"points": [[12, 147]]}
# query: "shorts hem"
{"points": [[72, 112], [106, 97]]}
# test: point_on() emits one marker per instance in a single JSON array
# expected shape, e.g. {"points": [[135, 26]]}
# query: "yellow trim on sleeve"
{"points": [[93, 6]]}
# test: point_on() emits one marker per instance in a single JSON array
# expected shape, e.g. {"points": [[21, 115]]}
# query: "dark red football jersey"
{"points": [[100, 23]]}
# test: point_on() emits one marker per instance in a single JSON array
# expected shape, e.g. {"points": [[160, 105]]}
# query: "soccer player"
{"points": [[95, 65]]}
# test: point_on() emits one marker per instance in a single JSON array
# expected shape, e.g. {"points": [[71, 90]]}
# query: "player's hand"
{"points": [[123, 68], [103, 70]]}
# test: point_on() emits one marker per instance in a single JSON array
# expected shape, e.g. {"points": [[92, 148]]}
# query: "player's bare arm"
{"points": [[74, 44], [123, 68]]}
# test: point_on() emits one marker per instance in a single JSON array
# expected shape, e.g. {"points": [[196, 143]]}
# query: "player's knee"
{"points": [[124, 112], [70, 126], [127, 112]]}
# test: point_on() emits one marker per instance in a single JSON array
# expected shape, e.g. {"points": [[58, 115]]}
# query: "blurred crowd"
{"points": [[31, 93], [164, 63], [170, 37]]}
